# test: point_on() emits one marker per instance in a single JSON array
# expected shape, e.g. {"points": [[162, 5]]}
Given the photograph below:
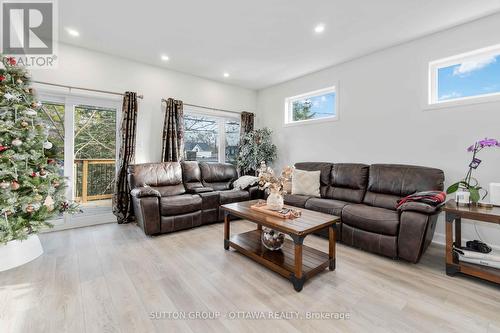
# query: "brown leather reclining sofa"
{"points": [[365, 197], [172, 196]]}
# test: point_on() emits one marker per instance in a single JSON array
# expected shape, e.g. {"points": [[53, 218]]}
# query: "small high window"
{"points": [[470, 76], [315, 106]]}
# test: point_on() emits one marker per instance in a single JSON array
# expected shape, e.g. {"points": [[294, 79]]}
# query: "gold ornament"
{"points": [[24, 123], [56, 183], [38, 197], [19, 81], [30, 209]]}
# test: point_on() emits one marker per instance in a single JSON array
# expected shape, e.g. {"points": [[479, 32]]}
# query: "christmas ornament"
{"points": [[14, 185], [3, 148], [38, 197], [43, 173], [30, 209], [47, 145], [56, 183], [64, 206], [34, 174], [16, 142], [19, 81], [36, 105], [30, 112], [2, 78], [49, 203], [24, 124], [11, 61], [4, 185]]}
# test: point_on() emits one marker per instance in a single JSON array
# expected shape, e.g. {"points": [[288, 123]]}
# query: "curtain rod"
{"points": [[80, 88], [204, 107]]}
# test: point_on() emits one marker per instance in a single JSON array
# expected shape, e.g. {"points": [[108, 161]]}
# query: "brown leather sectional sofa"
{"points": [[365, 197], [172, 196]]}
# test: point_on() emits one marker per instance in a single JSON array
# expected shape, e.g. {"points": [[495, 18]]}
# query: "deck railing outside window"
{"points": [[94, 179]]}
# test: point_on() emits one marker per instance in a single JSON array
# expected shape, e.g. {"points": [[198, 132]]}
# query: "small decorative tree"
{"points": [[32, 188], [256, 147]]}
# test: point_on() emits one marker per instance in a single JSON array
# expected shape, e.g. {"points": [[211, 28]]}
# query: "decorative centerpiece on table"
{"points": [[274, 185], [468, 189], [32, 189], [273, 240]]}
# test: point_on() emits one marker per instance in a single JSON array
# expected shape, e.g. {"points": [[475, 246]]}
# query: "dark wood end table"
{"points": [[454, 215], [295, 261]]}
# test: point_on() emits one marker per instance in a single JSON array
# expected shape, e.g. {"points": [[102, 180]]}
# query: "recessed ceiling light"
{"points": [[226, 74], [164, 58], [72, 32], [319, 28]]}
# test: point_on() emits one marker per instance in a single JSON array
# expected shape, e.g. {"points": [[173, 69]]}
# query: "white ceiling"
{"points": [[259, 42]]}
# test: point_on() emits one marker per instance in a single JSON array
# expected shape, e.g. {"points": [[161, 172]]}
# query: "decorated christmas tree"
{"points": [[32, 186]]}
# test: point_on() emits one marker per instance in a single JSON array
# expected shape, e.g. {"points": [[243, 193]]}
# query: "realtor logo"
{"points": [[29, 32]]}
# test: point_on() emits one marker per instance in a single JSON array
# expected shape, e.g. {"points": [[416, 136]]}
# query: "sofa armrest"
{"points": [[416, 230], [147, 213], [255, 192], [419, 207], [144, 191], [197, 190]]}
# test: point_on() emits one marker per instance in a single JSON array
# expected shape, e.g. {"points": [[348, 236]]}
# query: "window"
{"points": [[82, 132], [470, 76], [211, 138], [320, 105], [201, 138]]}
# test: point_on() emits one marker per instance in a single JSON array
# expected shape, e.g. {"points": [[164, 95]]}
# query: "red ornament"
{"points": [[33, 174], [14, 185], [11, 61], [3, 148], [2, 78]]}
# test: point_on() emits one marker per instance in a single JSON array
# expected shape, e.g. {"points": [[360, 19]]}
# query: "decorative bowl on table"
{"points": [[273, 240]]}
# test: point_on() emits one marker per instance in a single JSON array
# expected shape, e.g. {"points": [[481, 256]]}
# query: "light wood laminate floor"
{"points": [[110, 278]]}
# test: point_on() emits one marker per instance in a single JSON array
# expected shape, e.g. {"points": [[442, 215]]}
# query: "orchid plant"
{"points": [[470, 183]]}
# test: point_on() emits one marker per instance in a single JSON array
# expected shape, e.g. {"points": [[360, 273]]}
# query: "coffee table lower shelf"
{"points": [[281, 261]]}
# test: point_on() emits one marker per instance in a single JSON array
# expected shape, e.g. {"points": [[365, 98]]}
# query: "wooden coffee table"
{"points": [[294, 261]]}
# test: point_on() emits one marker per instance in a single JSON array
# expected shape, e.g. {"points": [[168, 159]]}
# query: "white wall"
{"points": [[84, 68], [382, 119]]}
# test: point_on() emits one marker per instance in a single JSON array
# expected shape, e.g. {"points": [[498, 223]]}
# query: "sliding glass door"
{"points": [[83, 133]]}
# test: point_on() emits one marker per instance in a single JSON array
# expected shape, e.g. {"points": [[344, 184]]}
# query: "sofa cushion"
{"points": [[155, 174], [233, 196], [373, 219], [296, 200], [180, 204], [219, 176], [389, 182], [328, 206], [191, 175], [348, 182], [370, 241], [325, 169]]}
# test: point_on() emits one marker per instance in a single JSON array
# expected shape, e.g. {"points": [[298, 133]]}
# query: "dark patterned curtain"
{"points": [[173, 132], [246, 125], [122, 202]]}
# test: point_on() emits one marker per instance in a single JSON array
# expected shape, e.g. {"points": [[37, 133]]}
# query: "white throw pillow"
{"points": [[306, 182], [245, 182]]}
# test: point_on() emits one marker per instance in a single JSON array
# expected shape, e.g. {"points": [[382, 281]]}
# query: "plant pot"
{"points": [[16, 253], [275, 201], [462, 197]]}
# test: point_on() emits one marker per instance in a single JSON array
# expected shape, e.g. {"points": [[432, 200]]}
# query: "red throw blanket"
{"points": [[433, 198]]}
